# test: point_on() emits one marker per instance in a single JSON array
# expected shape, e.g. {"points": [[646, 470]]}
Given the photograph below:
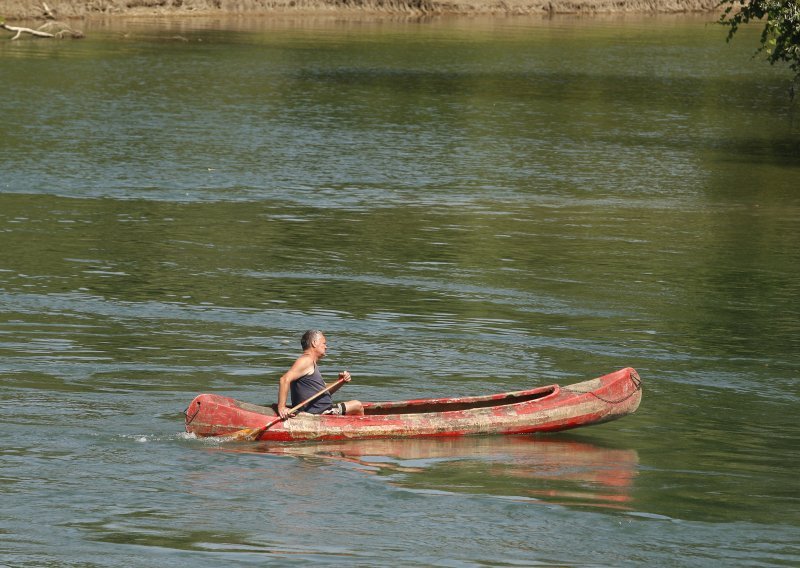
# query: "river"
{"points": [[465, 206]]}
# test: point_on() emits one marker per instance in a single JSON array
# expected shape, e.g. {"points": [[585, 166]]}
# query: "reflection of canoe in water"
{"points": [[516, 456], [549, 469], [544, 409]]}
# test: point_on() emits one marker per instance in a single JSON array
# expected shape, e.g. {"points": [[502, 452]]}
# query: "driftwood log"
{"points": [[49, 30], [21, 31]]}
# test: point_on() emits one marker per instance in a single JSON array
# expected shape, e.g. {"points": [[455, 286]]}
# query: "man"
{"points": [[304, 380]]}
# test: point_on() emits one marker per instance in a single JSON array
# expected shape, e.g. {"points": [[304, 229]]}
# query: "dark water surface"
{"points": [[465, 207]]}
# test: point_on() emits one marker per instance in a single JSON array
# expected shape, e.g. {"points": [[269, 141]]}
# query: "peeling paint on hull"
{"points": [[544, 409]]}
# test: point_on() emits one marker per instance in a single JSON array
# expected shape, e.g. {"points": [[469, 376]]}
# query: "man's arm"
{"points": [[303, 366], [343, 375]]}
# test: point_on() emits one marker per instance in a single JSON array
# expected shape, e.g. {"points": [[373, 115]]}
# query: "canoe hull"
{"points": [[545, 409]]}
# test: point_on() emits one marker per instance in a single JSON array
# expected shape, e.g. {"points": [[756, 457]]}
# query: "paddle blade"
{"points": [[251, 434], [244, 435]]}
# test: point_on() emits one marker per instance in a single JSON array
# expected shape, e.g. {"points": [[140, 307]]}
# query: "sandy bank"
{"points": [[64, 9]]}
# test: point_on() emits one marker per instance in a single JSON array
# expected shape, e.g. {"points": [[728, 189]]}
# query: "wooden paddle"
{"points": [[252, 434]]}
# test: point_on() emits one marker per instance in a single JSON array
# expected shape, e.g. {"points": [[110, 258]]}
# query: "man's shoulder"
{"points": [[304, 364]]}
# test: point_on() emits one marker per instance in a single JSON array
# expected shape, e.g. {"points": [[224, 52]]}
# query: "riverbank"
{"points": [[55, 9]]}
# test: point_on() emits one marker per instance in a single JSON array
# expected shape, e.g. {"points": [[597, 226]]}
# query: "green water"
{"points": [[465, 206]]}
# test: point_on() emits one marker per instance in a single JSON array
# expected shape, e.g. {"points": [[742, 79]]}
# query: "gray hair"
{"points": [[309, 338]]}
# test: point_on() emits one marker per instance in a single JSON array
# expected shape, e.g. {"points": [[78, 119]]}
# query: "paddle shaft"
{"points": [[297, 407]]}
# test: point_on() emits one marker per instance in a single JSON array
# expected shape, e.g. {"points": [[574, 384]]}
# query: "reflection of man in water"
{"points": [[304, 380]]}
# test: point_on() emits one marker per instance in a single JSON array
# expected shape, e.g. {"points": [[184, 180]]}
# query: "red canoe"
{"points": [[543, 409]]}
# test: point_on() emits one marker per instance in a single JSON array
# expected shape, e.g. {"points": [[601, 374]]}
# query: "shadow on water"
{"points": [[553, 470]]}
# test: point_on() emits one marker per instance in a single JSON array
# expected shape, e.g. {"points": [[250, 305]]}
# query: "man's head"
{"points": [[312, 338]]}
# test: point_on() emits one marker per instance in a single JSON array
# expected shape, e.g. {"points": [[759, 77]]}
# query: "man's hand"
{"points": [[283, 412], [345, 375]]}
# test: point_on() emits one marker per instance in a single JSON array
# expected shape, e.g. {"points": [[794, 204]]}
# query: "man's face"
{"points": [[321, 346]]}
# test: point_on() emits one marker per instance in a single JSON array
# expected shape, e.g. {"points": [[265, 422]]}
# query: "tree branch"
{"points": [[55, 29], [21, 31]]}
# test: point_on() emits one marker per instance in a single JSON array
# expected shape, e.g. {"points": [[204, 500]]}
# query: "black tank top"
{"points": [[306, 387]]}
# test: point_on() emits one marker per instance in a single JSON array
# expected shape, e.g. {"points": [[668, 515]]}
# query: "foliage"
{"points": [[780, 39]]}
